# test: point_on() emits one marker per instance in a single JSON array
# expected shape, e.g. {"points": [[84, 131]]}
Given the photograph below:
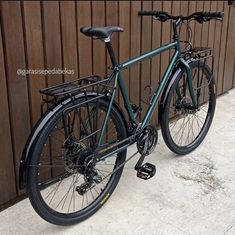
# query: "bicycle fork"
{"points": [[189, 83]]}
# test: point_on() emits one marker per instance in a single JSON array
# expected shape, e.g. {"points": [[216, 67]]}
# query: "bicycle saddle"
{"points": [[100, 32]]}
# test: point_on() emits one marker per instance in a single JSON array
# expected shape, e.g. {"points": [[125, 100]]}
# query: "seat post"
{"points": [[110, 50]]}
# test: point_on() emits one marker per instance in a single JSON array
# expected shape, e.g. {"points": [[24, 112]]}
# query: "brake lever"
{"points": [[160, 18], [155, 18], [219, 19]]}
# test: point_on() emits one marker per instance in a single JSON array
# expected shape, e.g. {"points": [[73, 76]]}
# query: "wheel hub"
{"points": [[185, 106]]}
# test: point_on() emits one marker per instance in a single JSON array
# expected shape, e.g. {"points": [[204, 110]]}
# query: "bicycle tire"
{"points": [[35, 197], [166, 130]]}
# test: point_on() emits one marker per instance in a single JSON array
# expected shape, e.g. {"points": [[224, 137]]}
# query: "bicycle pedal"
{"points": [[146, 171]]}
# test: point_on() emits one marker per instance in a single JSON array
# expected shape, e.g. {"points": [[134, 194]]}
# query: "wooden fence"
{"points": [[46, 35]]}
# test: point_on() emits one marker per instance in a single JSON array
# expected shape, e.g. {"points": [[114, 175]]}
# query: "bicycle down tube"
{"points": [[158, 91]]}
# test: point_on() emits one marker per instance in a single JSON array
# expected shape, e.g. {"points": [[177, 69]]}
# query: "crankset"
{"points": [[146, 143], [147, 140]]}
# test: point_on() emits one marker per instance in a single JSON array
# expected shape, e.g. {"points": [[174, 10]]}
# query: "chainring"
{"points": [[147, 140]]}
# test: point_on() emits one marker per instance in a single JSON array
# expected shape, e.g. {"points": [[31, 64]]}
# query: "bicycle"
{"points": [[75, 155]]}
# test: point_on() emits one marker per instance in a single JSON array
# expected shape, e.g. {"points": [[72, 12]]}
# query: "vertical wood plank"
{"points": [[112, 20], [98, 20], [17, 85], [7, 174], [135, 51], [34, 51], [198, 27], [52, 39], [47, 35], [217, 43], [230, 52], [69, 38], [146, 41], [53, 60], [84, 43], [175, 11], [222, 48], [192, 9], [155, 61], [183, 31], [135, 23], [205, 26], [211, 34], [166, 32], [124, 42]]}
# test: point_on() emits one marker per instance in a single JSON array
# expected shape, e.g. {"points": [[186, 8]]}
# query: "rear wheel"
{"points": [[183, 128], [64, 183]]}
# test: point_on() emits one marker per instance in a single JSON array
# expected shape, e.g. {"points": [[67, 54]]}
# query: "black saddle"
{"points": [[100, 32]]}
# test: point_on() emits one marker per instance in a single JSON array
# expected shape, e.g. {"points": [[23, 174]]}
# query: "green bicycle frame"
{"points": [[118, 81]]}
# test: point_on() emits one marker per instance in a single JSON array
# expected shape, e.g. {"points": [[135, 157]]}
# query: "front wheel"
{"points": [[64, 183], [184, 128]]}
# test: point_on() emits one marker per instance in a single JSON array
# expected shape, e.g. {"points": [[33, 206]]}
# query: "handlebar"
{"points": [[201, 17]]}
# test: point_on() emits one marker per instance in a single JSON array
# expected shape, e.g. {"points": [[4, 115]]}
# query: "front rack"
{"points": [[198, 53]]}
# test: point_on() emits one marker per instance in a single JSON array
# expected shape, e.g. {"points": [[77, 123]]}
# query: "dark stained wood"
{"points": [[98, 19], [183, 31], [205, 26], [52, 40], [175, 10], [155, 61], [7, 174], [217, 42], [112, 20], [222, 49], [192, 9], [146, 65], [34, 53], [69, 38], [84, 43], [17, 84], [166, 32], [230, 52], [211, 33], [53, 59], [135, 51], [46, 35], [124, 42], [198, 26]]}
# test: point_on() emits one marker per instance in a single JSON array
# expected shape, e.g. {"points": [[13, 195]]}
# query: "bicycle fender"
{"points": [[32, 139], [176, 71]]}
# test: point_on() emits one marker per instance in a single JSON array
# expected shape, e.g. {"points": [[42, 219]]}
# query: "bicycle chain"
{"points": [[115, 169]]}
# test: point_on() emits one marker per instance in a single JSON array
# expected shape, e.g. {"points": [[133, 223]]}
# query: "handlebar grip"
{"points": [[215, 15], [147, 13]]}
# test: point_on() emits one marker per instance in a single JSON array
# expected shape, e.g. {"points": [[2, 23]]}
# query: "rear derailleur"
{"points": [[90, 176]]}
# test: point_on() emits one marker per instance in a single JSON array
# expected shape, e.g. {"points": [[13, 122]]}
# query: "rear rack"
{"points": [[73, 87], [54, 94]]}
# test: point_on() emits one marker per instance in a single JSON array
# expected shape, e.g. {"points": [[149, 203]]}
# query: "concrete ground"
{"points": [[193, 194]]}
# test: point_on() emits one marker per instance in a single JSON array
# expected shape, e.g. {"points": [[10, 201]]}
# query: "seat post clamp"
{"points": [[106, 39]]}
